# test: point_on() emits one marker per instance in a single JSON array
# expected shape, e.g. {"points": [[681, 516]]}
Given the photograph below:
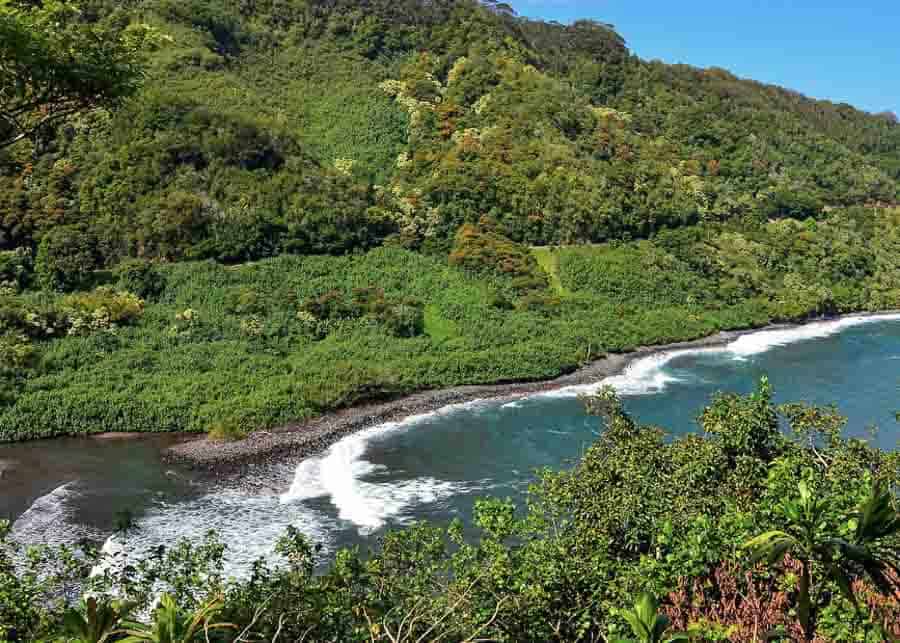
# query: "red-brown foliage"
{"points": [[753, 605]]}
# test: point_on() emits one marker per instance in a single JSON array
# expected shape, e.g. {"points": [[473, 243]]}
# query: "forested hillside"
{"points": [[324, 127]]}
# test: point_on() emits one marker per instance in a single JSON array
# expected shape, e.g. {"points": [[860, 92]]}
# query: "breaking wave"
{"points": [[340, 475]]}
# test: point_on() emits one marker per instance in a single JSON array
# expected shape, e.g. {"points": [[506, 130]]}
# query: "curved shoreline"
{"points": [[302, 440], [306, 439]]}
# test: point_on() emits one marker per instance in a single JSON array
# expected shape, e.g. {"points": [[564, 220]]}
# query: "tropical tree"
{"points": [[172, 625], [54, 65], [872, 552], [647, 624]]}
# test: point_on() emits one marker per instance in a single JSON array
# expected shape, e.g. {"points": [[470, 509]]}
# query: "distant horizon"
{"points": [[831, 52]]}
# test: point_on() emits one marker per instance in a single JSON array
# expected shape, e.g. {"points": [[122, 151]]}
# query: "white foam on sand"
{"points": [[340, 475], [648, 375], [765, 340]]}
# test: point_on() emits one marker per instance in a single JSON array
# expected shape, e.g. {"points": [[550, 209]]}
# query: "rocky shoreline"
{"points": [[231, 460], [298, 441]]}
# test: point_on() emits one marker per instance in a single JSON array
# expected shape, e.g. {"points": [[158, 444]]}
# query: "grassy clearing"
{"points": [[548, 259]]}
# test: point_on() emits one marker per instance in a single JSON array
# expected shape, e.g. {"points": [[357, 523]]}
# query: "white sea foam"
{"points": [[644, 376], [765, 340], [111, 557], [648, 375], [250, 524], [339, 476], [46, 520]]}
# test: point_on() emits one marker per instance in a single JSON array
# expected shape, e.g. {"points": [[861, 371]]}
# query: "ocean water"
{"points": [[434, 466]]}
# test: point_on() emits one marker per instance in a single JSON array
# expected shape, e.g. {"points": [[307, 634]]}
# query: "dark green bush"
{"points": [[141, 277], [16, 268], [402, 318], [18, 357], [540, 303], [66, 258], [244, 301], [38, 319], [332, 305], [406, 319], [480, 249]]}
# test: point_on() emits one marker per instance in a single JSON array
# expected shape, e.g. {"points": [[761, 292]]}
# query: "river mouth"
{"points": [[41, 480], [435, 465]]}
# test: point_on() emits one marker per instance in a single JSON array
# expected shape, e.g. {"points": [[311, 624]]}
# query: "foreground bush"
{"points": [[640, 515]]}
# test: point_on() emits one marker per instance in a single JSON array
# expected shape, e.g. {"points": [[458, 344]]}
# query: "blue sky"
{"points": [[845, 51]]}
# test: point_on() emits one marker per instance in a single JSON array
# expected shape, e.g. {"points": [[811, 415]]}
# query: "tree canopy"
{"points": [[325, 127], [56, 61]]}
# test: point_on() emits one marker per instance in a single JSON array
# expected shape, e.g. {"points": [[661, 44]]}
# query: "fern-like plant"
{"points": [[172, 625], [647, 624]]}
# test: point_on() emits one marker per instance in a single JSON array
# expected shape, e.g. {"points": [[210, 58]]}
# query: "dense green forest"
{"points": [[225, 216], [325, 127]]}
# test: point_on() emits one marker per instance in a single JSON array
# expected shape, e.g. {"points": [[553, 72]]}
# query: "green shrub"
{"points": [[111, 306], [244, 301], [310, 326], [404, 320], [40, 319], [400, 317], [16, 268], [66, 258], [186, 322], [480, 249], [17, 358], [332, 305], [540, 303], [16, 354], [497, 299], [173, 226], [252, 326], [140, 277]]}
